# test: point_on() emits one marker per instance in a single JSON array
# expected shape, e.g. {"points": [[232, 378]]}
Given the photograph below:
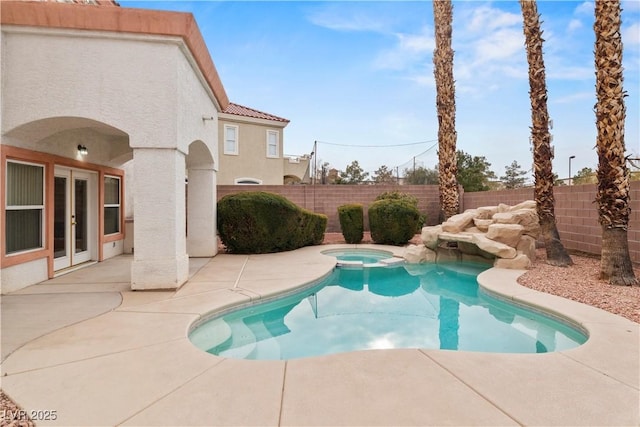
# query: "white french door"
{"points": [[75, 217]]}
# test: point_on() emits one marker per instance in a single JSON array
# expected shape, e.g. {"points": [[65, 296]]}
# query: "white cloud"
{"points": [[418, 43], [631, 5], [426, 79], [489, 49], [575, 97], [339, 18], [585, 8], [486, 18], [574, 24], [631, 35], [570, 72], [410, 49], [503, 44]]}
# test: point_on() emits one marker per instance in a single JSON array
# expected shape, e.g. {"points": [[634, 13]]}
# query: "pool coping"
{"points": [[148, 373]]}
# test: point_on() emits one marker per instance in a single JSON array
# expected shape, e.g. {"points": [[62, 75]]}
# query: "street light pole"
{"points": [[570, 157]]}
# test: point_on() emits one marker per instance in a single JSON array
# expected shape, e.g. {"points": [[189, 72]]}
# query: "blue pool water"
{"points": [[412, 306]]}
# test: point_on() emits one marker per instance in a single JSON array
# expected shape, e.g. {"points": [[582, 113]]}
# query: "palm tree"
{"points": [[613, 175], [446, 104], [542, 154]]}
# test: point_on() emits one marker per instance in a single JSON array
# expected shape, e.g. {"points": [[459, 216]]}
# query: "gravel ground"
{"points": [[580, 282], [11, 415]]}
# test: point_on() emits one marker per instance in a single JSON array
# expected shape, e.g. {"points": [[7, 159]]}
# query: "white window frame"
{"points": [[114, 205], [277, 145], [26, 207], [224, 142]]}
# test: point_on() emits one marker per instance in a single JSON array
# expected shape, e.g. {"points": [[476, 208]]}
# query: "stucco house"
{"points": [[251, 149], [91, 97]]}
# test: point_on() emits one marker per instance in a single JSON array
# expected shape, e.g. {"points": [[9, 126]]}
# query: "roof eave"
{"points": [[254, 120]]}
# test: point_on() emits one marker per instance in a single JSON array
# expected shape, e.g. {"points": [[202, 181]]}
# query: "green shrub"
{"points": [[260, 222], [393, 221], [397, 195], [413, 200], [351, 222]]}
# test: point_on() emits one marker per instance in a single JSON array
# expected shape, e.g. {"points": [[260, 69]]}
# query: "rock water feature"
{"points": [[504, 235]]}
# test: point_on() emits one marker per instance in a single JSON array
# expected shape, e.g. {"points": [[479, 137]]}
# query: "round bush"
{"points": [[261, 222], [404, 197], [393, 221], [351, 222], [398, 195]]}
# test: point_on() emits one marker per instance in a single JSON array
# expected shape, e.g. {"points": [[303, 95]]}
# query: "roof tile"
{"points": [[241, 110]]}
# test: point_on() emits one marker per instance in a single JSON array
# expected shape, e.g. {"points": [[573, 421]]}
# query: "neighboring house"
{"points": [[90, 96], [251, 149]]}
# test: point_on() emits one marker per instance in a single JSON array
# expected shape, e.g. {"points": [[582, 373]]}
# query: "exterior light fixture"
{"points": [[82, 150]]}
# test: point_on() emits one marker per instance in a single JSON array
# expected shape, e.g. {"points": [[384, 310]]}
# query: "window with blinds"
{"points": [[24, 207], [112, 205]]}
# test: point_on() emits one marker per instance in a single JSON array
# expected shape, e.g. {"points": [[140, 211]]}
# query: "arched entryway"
{"points": [[64, 196], [115, 114], [292, 179], [201, 201]]}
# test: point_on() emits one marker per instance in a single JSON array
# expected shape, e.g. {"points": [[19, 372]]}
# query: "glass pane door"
{"points": [[83, 216], [74, 221], [80, 215], [60, 229], [61, 219]]}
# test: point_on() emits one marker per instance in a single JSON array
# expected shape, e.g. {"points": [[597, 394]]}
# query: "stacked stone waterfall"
{"points": [[503, 234]]}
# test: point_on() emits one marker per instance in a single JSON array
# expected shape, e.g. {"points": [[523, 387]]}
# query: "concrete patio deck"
{"points": [[87, 347]]}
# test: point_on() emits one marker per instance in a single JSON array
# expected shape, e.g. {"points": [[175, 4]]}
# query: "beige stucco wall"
{"points": [[104, 77], [117, 93], [298, 167], [252, 160], [22, 275]]}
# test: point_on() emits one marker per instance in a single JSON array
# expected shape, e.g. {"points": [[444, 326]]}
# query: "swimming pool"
{"points": [[362, 257], [431, 306]]}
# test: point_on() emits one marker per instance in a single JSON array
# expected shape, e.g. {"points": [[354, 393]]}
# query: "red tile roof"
{"points": [[241, 110], [93, 2]]}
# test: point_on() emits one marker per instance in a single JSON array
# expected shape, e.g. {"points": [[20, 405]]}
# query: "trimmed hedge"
{"points": [[351, 222], [393, 221], [259, 222]]}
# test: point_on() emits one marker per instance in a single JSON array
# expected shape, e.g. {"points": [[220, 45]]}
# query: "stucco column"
{"points": [[160, 258], [201, 211]]}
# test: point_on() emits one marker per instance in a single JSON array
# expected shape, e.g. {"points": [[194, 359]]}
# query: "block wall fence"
{"points": [[325, 199], [575, 209]]}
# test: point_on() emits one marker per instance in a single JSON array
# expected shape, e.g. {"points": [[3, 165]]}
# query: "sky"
{"points": [[357, 77]]}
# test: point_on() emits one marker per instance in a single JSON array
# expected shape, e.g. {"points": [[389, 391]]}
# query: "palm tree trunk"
{"points": [[446, 105], [613, 175], [542, 154]]}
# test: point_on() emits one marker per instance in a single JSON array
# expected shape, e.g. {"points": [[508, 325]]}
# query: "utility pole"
{"points": [[315, 161]]}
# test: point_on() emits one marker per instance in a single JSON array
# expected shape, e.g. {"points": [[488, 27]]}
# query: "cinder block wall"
{"points": [[576, 213], [325, 199]]}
